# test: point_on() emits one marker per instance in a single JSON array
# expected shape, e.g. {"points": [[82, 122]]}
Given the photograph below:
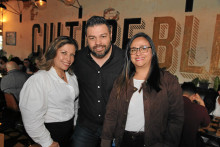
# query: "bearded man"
{"points": [[96, 67]]}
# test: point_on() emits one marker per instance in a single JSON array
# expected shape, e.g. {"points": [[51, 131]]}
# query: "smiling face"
{"points": [[141, 60], [99, 40], [64, 57]]}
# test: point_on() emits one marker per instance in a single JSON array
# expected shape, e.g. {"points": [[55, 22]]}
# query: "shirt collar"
{"points": [[54, 74], [13, 70]]}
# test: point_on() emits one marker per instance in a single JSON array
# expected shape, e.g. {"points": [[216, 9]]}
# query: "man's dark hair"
{"points": [[26, 59], [189, 88], [16, 60], [97, 20]]}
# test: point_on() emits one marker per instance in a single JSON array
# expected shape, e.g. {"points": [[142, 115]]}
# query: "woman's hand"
{"points": [[55, 144]]}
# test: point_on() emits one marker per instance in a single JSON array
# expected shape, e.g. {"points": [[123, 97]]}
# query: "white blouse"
{"points": [[216, 112], [135, 117], [46, 98]]}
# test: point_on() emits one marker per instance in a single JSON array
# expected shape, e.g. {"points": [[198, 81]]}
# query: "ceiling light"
{"points": [[69, 2], [2, 6], [10, 8], [41, 4]]}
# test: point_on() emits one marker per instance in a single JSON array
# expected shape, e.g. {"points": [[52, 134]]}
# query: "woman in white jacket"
{"points": [[47, 98]]}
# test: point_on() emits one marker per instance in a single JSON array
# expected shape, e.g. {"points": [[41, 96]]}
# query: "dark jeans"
{"points": [[132, 139], [84, 137]]}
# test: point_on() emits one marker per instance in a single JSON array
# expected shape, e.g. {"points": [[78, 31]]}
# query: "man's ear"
{"points": [[191, 97], [111, 33]]}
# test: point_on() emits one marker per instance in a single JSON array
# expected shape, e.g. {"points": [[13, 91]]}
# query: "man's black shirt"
{"points": [[95, 85]]}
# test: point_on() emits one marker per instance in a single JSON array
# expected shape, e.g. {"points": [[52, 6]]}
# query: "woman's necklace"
{"points": [[60, 73], [62, 77]]}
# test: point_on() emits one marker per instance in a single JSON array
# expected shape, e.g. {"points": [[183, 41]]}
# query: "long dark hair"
{"points": [[153, 79]]}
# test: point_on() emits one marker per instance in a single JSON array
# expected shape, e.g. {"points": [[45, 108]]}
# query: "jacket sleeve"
{"points": [[110, 117], [33, 106], [175, 112], [206, 118]]}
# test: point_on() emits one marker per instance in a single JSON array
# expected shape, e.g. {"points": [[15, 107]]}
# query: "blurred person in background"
{"points": [[14, 80], [211, 100], [216, 111], [30, 67], [212, 103], [3, 61], [195, 116], [19, 63]]}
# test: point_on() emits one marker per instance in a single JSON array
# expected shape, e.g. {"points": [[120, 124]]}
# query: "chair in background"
{"points": [[11, 102], [2, 108], [12, 119], [12, 114]]}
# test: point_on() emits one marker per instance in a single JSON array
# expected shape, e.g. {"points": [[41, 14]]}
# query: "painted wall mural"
{"points": [[186, 33], [166, 36]]}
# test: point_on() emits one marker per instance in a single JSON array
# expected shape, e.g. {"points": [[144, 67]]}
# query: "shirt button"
{"points": [[99, 115], [98, 86], [98, 71], [98, 101]]}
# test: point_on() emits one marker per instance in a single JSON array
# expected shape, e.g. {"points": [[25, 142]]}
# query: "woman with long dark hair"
{"points": [[145, 107]]}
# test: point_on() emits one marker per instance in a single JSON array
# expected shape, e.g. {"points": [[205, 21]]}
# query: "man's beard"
{"points": [[97, 55]]}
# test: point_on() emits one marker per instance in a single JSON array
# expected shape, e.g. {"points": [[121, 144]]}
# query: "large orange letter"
{"points": [[214, 67], [188, 50], [163, 34]]}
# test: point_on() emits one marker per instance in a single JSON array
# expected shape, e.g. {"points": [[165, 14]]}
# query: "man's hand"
{"points": [[55, 144], [198, 99]]}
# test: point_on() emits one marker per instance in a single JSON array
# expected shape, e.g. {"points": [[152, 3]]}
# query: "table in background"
{"points": [[212, 132]]}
